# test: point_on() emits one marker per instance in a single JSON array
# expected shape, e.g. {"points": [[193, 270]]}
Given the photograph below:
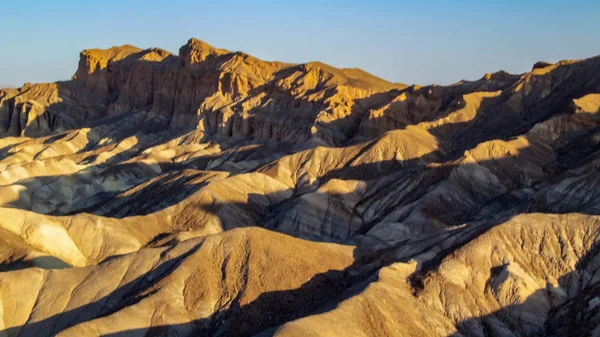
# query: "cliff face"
{"points": [[385, 209], [233, 94], [219, 92]]}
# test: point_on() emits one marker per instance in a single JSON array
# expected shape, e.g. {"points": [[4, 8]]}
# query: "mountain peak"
{"points": [[92, 60], [113, 53], [196, 51]]}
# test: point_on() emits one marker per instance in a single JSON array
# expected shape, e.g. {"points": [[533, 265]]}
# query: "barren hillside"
{"points": [[211, 193]]}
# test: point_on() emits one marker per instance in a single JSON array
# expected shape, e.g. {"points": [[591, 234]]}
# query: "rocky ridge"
{"points": [[212, 193]]}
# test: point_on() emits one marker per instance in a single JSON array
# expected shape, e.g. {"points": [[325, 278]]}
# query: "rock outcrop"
{"points": [[212, 193]]}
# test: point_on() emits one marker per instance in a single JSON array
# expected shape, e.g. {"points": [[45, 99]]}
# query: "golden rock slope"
{"points": [[214, 194]]}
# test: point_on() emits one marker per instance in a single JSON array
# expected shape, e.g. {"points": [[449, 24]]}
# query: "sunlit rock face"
{"points": [[211, 193]]}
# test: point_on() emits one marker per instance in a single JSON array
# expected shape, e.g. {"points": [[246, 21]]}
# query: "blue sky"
{"points": [[420, 42]]}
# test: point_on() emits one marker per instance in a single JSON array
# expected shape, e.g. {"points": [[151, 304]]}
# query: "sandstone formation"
{"points": [[211, 193]]}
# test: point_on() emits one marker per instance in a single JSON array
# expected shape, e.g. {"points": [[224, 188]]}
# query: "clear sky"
{"points": [[413, 41]]}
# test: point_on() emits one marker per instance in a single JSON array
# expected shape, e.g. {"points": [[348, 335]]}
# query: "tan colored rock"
{"points": [[131, 199]]}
